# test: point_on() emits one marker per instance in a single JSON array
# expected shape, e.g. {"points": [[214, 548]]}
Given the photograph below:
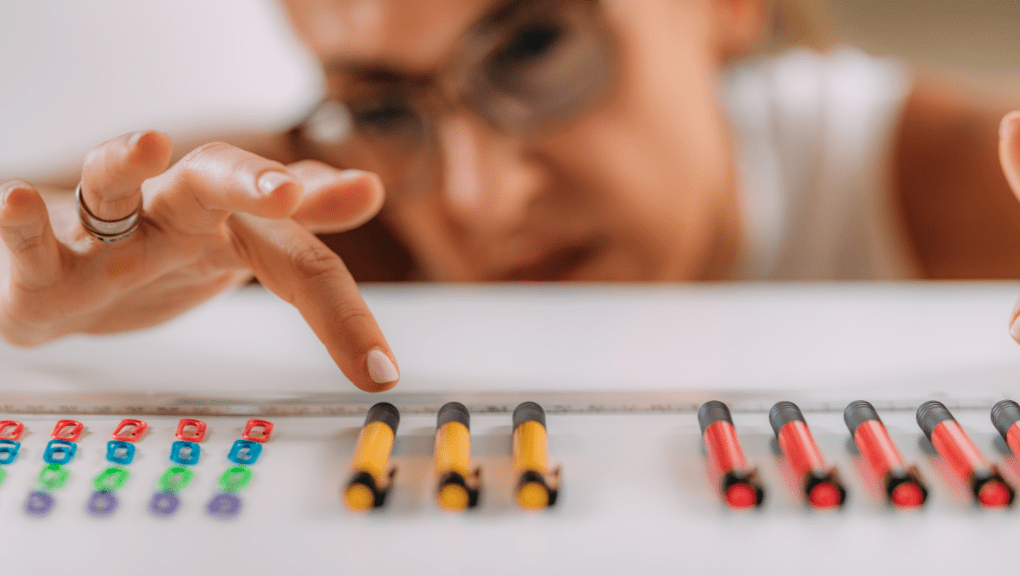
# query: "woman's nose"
{"points": [[489, 184]]}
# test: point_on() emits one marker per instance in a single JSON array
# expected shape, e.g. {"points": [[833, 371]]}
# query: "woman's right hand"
{"points": [[1009, 157], [210, 222]]}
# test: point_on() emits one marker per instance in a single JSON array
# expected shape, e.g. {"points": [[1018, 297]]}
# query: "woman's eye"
{"points": [[529, 44], [387, 119]]}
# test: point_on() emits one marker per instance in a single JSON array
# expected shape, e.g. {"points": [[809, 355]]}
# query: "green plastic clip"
{"points": [[111, 479], [53, 477], [235, 479], [176, 479]]}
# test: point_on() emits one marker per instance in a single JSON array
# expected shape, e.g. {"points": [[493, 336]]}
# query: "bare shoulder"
{"points": [[960, 215]]}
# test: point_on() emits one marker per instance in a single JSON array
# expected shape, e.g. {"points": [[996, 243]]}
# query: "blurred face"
{"points": [[537, 140]]}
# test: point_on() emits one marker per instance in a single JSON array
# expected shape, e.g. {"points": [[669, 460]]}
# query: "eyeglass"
{"points": [[526, 67]]}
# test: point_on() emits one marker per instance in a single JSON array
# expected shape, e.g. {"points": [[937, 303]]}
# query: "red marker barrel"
{"points": [[952, 443], [1006, 418], [738, 481], [903, 485], [821, 485]]}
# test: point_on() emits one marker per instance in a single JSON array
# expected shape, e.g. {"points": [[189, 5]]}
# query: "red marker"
{"points": [[902, 485], [739, 482], [1005, 417], [952, 443], [821, 485]]}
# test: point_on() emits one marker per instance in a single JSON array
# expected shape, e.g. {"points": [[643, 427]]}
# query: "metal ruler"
{"points": [[357, 403]]}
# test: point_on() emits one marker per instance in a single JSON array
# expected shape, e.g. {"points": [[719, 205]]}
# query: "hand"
{"points": [[1009, 156], [210, 221]]}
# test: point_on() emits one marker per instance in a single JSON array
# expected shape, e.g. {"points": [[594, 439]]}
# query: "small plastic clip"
{"points": [[129, 430], [9, 451], [224, 506], [190, 430], [244, 452], [53, 477], [185, 453], [175, 479], [120, 452], [257, 430], [164, 504], [101, 504], [11, 429], [111, 479], [68, 430], [235, 479], [59, 452], [39, 503]]}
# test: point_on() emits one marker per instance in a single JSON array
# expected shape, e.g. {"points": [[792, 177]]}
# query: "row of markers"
{"points": [[457, 483], [820, 483], [120, 452]]}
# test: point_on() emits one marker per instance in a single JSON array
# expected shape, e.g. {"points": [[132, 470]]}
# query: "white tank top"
{"points": [[814, 136]]}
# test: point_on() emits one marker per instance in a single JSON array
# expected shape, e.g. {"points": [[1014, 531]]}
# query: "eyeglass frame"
{"points": [[444, 90]]}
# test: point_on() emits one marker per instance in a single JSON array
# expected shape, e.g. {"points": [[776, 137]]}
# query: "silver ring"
{"points": [[107, 230]]}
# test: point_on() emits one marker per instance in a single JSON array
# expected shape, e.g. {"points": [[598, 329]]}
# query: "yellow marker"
{"points": [[458, 484], [372, 476], [536, 486]]}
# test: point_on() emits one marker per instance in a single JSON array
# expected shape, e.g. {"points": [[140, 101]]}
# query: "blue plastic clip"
{"points": [[244, 452], [120, 452], [185, 453], [9, 451], [59, 452]]}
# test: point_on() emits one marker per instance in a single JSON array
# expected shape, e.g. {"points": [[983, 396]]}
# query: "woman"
{"points": [[528, 140]]}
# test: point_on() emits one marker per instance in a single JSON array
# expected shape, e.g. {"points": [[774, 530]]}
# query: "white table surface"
{"points": [[621, 370]]}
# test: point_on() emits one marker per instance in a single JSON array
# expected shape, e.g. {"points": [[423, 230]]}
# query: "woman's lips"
{"points": [[561, 263]]}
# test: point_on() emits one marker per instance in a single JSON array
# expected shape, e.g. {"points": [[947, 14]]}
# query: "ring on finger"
{"points": [[107, 230]]}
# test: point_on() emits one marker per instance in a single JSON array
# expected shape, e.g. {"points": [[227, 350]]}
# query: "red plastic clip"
{"points": [[190, 430], [11, 430], [257, 430], [129, 430], [68, 430]]}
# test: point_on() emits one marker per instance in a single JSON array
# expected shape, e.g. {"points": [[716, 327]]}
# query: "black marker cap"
{"points": [[931, 414], [453, 412], [1005, 413], [711, 412], [858, 412], [528, 412], [384, 412], [783, 413]]}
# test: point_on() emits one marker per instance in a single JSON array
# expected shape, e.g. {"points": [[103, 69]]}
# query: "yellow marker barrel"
{"points": [[458, 485], [536, 488], [371, 479]]}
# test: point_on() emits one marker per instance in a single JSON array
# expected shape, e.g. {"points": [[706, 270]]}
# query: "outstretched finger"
{"points": [[25, 230], [197, 194], [113, 173], [1009, 149], [299, 268], [1014, 322], [336, 200], [1009, 156]]}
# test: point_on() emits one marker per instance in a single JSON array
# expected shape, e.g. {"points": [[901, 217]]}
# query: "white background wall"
{"points": [[75, 73]]}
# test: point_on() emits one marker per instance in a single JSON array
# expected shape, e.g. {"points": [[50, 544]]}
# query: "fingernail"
{"points": [[381, 368], [270, 181], [1014, 329], [350, 174], [133, 141], [1008, 125]]}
